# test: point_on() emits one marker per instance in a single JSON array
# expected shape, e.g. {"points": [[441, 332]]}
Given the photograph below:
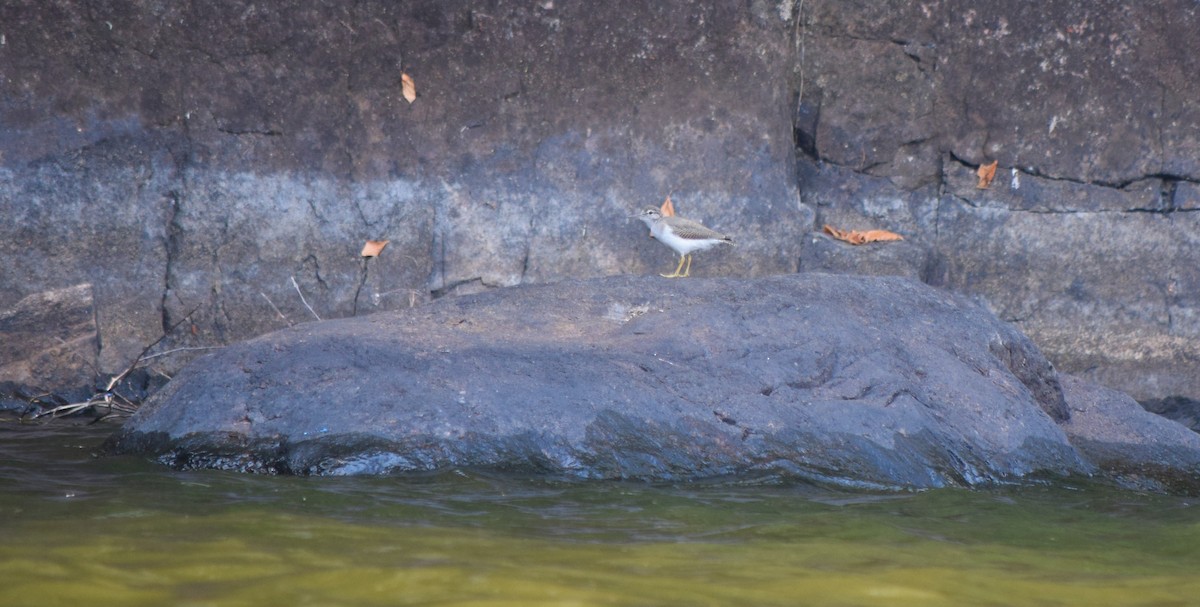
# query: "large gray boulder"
{"points": [[878, 382]]}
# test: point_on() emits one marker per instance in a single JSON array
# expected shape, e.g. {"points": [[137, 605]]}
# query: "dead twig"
{"points": [[108, 399], [273, 307], [183, 349], [297, 285]]}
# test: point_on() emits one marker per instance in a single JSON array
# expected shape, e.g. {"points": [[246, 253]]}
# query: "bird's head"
{"points": [[648, 215]]}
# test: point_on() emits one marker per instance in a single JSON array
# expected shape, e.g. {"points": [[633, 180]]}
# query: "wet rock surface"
{"points": [[876, 382], [1136, 447]]}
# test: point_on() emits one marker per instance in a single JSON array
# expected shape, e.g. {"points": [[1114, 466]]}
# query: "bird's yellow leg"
{"points": [[676, 273], [688, 271]]}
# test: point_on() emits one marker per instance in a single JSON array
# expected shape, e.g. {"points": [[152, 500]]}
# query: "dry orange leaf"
{"points": [[408, 88], [862, 236], [373, 248], [668, 208], [986, 172]]}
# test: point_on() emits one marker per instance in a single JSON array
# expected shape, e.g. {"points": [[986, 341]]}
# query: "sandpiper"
{"points": [[682, 235]]}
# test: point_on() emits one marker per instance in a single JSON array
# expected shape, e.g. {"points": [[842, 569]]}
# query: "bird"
{"points": [[682, 235]]}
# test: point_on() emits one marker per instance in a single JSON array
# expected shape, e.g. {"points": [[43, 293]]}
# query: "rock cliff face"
{"points": [[232, 159], [1087, 237], [235, 158]]}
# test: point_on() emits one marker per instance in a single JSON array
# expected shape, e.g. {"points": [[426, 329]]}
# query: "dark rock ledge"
{"points": [[862, 381]]}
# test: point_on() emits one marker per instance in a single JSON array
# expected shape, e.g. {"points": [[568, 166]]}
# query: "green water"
{"points": [[76, 530]]}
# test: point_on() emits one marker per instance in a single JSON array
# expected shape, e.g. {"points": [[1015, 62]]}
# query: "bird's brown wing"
{"points": [[686, 228]]}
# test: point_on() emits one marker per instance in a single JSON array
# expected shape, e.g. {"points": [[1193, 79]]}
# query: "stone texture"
{"points": [[1186, 411], [95, 215], [229, 162], [1124, 278], [224, 164], [860, 381], [1085, 239], [1138, 448], [42, 359]]}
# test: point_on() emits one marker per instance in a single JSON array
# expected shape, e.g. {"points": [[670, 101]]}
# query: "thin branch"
{"points": [[117, 379], [273, 307], [108, 398], [183, 349], [297, 285]]}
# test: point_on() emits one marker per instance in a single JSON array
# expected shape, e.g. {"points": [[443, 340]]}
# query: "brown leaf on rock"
{"points": [[408, 88], [880, 236], [986, 173], [668, 208], [857, 237], [373, 248]]}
